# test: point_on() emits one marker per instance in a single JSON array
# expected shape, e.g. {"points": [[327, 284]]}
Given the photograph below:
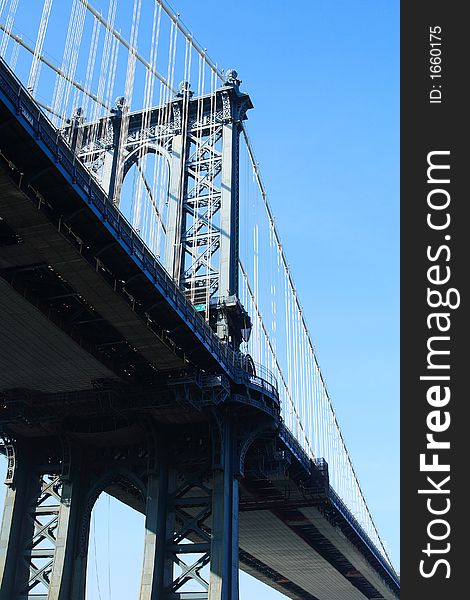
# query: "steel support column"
{"points": [[68, 579], [11, 567], [41, 532], [229, 210], [115, 174], [173, 232], [224, 544], [191, 527], [157, 569]]}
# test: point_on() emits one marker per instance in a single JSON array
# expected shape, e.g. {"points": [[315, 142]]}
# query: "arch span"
{"points": [[115, 540]]}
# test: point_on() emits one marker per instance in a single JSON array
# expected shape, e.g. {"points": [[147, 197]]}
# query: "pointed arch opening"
{"points": [[144, 195], [115, 541]]}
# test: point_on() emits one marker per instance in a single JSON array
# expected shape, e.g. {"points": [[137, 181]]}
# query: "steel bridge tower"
{"points": [[198, 137], [176, 449]]}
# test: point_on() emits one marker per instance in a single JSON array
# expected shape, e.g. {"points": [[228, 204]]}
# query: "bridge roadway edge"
{"points": [[287, 443]]}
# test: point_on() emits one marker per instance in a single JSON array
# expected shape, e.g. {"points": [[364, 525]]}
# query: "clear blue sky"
{"points": [[323, 76]]}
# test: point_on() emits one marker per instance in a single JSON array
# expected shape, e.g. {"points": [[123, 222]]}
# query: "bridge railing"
{"points": [[373, 543], [360, 531], [264, 378]]}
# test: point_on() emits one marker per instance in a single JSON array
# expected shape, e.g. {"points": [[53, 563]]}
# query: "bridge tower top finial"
{"points": [[184, 89], [231, 78], [78, 116], [120, 105]]}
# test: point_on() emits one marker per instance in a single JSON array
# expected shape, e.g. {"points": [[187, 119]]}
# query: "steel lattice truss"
{"points": [[192, 507], [42, 519], [201, 205]]}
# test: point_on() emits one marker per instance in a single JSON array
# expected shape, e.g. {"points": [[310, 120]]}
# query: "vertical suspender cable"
{"points": [[73, 58], [14, 55], [8, 25], [91, 63], [36, 63]]}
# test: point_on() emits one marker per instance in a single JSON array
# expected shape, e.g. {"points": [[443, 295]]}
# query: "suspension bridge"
{"points": [[153, 343]]}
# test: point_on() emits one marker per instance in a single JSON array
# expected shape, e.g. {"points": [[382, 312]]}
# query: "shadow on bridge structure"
{"points": [[124, 374]]}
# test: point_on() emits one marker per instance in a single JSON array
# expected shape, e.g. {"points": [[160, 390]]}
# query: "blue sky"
{"points": [[324, 79]]}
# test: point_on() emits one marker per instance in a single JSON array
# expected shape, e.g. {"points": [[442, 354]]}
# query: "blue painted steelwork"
{"points": [[24, 109]]}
